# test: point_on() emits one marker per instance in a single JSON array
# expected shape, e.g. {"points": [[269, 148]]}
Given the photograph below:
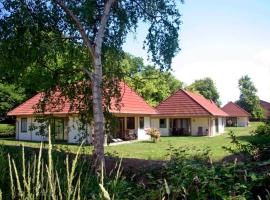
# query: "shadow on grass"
{"points": [[12, 139]]}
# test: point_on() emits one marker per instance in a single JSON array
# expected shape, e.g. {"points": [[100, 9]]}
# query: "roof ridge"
{"points": [[22, 104], [187, 93]]}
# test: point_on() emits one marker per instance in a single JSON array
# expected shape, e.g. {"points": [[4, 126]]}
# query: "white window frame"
{"points": [[24, 120]]}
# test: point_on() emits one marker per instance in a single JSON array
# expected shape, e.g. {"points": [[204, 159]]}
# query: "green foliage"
{"points": [[206, 87], [263, 130], [151, 83], [195, 177], [41, 48], [10, 96], [250, 150], [7, 130], [248, 98], [256, 149], [55, 175]]}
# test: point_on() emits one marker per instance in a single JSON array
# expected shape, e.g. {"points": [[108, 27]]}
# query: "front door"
{"points": [[216, 124], [180, 126], [59, 129], [121, 127]]}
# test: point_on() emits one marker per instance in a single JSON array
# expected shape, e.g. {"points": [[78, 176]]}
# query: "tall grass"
{"points": [[41, 180]]}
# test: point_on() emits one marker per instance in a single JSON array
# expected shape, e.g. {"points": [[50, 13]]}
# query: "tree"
{"points": [[151, 83], [83, 39], [10, 96], [248, 99], [206, 87]]}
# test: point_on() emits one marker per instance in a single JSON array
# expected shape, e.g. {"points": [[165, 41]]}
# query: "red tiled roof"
{"points": [[234, 110], [131, 103], [266, 106], [188, 104]]}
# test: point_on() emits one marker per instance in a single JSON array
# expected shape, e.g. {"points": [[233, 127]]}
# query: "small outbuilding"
{"points": [[188, 113], [237, 115]]}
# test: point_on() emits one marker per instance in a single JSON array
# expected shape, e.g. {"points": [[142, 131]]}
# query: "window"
{"points": [[130, 123], [162, 123], [141, 122], [24, 125]]}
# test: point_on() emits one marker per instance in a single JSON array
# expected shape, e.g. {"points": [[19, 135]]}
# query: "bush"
{"points": [[154, 134], [263, 130], [7, 130]]}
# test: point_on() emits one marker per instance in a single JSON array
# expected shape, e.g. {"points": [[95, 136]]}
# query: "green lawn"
{"points": [[158, 151], [5, 126]]}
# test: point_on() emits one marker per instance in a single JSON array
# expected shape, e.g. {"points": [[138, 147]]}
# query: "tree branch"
{"points": [[85, 38], [87, 71], [103, 24]]}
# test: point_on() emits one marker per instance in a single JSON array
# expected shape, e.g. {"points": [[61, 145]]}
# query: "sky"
{"points": [[220, 39]]}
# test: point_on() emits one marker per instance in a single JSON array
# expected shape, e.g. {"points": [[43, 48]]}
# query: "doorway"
{"points": [[121, 127], [58, 129], [180, 126], [216, 124]]}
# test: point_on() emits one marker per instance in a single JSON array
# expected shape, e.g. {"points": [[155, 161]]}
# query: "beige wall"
{"points": [[199, 122], [207, 124], [155, 124], [242, 121]]}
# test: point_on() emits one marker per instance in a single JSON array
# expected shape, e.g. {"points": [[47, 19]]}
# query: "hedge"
{"points": [[7, 130]]}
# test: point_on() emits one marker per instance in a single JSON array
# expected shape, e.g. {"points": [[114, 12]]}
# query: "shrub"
{"points": [[7, 130], [263, 130], [154, 134]]}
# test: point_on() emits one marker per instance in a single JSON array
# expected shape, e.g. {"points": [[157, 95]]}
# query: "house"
{"points": [[183, 113], [187, 113], [133, 117], [237, 116], [266, 107]]}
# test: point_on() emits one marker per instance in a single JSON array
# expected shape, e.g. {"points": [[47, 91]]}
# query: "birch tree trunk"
{"points": [[98, 151], [95, 76], [97, 91]]}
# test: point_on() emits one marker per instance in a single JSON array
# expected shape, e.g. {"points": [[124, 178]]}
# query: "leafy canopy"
{"points": [[41, 48], [248, 99], [151, 83], [10, 96]]}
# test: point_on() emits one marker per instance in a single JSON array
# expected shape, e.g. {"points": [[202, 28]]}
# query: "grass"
{"points": [[2, 126], [158, 151], [7, 130]]}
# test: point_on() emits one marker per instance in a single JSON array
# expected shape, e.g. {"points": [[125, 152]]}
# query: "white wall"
{"points": [[221, 123], [242, 121], [199, 122], [155, 124], [141, 132], [75, 135], [221, 126], [30, 134]]}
